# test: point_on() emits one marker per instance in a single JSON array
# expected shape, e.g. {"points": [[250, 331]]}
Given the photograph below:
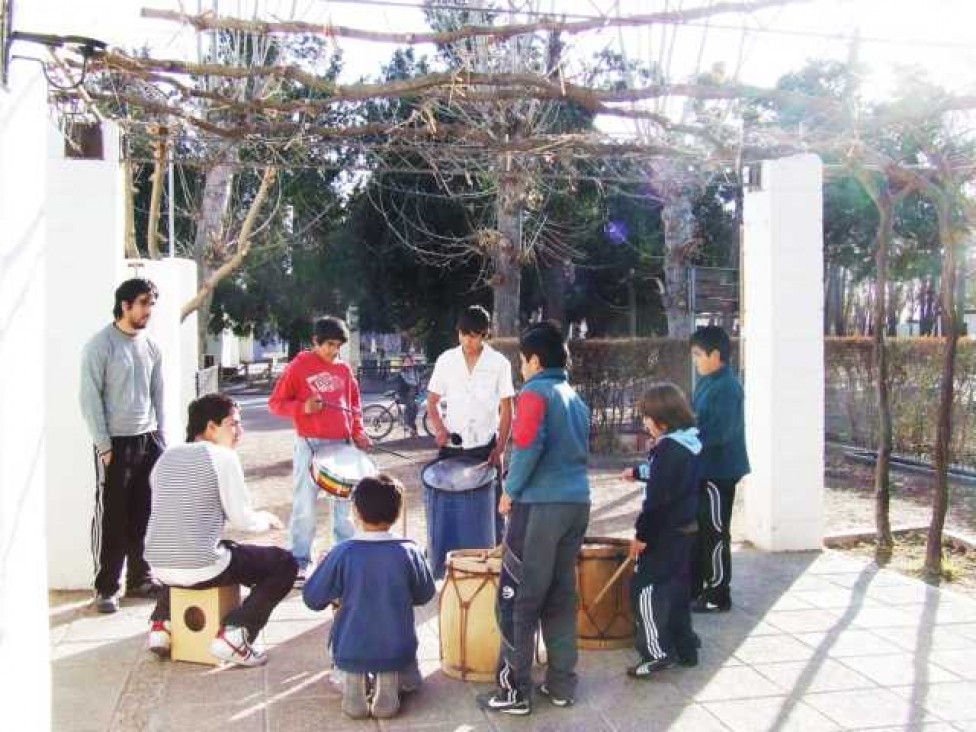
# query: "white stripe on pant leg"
{"points": [[715, 503], [718, 571], [650, 629], [96, 528]]}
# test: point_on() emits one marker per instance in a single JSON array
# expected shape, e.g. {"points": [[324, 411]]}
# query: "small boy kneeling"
{"points": [[376, 578]]}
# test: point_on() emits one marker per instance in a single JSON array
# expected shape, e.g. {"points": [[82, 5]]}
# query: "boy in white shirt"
{"points": [[196, 487], [475, 381]]}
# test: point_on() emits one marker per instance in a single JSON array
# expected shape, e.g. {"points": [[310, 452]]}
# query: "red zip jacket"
{"points": [[341, 416]]}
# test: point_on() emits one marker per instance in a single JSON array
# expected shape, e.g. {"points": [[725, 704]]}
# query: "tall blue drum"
{"points": [[459, 496]]}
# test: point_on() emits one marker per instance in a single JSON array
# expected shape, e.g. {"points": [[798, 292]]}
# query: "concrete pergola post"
{"points": [[783, 356]]}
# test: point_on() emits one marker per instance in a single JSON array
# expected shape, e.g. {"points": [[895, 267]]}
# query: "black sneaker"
{"points": [[148, 589], [688, 660], [106, 604], [506, 702], [646, 669], [703, 605], [556, 701], [300, 577]]}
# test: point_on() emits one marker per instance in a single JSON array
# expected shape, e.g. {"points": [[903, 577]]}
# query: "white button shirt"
{"points": [[472, 397]]}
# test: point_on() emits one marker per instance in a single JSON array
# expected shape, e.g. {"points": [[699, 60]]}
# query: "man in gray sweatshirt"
{"points": [[122, 403]]}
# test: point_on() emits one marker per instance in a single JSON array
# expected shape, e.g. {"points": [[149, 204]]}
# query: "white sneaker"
{"points": [[232, 645], [160, 639]]}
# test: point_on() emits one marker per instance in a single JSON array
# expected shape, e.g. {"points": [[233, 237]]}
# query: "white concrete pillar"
{"points": [[24, 301], [85, 244], [176, 279], [783, 355]]}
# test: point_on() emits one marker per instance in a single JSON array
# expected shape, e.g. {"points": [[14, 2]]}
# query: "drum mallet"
{"points": [[613, 580]]}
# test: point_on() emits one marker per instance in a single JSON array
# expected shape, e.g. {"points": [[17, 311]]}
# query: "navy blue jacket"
{"points": [[671, 476], [550, 438], [719, 409], [377, 581]]}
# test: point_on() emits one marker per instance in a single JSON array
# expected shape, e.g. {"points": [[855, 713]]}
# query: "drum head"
{"points": [[458, 474]]}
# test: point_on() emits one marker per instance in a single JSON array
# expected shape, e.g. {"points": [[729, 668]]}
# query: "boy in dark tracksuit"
{"points": [[665, 534], [547, 501], [718, 405]]}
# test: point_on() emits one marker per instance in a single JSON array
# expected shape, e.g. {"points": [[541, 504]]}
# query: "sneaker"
{"points": [[232, 645], [386, 695], [688, 660], [106, 604], [646, 669], [704, 605], [147, 590], [556, 701], [160, 639], [410, 679], [355, 690], [506, 702], [301, 577]]}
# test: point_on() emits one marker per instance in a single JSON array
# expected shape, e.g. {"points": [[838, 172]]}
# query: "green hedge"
{"points": [[611, 373], [915, 369]]}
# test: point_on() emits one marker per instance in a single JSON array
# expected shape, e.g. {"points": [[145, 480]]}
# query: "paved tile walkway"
{"points": [[815, 642]]}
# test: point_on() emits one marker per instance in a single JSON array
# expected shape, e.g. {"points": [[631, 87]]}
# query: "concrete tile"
{"points": [[953, 702], [926, 639], [191, 683], [442, 699], [635, 695], [99, 652], [961, 663], [546, 718], [868, 708], [803, 621], [851, 642], [281, 631], [733, 682], [773, 648], [907, 594], [690, 718], [173, 716], [106, 627], [839, 599], [770, 713], [875, 578], [313, 715], [400, 724], [874, 618], [898, 669], [820, 674]]}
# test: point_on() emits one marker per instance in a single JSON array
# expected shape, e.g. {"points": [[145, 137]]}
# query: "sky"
{"points": [[939, 35]]}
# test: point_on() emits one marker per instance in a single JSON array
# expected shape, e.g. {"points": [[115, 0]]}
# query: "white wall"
{"points": [[782, 352], [83, 267], [176, 280], [24, 301]]}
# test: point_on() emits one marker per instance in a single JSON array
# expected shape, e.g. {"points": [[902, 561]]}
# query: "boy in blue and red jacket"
{"points": [[547, 500], [665, 534]]}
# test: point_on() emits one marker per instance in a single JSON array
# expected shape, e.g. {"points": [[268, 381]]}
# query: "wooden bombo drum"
{"points": [[609, 624]]}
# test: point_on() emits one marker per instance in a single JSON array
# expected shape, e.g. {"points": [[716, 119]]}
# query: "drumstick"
{"points": [[613, 580]]}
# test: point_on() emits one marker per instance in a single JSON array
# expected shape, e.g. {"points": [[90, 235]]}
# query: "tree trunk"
{"points": [[678, 222], [507, 279], [882, 470], [943, 435], [554, 289], [210, 237]]}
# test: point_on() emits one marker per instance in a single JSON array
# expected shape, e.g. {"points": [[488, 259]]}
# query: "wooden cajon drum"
{"points": [[195, 620]]}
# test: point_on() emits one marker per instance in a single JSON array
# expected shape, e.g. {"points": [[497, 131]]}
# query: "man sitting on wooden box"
{"points": [[196, 486]]}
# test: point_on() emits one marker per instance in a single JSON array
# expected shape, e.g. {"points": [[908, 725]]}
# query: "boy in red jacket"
{"points": [[320, 395]]}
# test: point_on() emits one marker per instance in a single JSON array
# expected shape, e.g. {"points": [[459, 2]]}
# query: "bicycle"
{"points": [[379, 419]]}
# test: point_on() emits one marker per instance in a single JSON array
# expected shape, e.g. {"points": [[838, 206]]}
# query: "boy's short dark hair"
{"points": [[378, 500], [329, 328], [209, 408], [666, 404], [545, 340], [130, 290], [712, 338], [474, 320]]}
